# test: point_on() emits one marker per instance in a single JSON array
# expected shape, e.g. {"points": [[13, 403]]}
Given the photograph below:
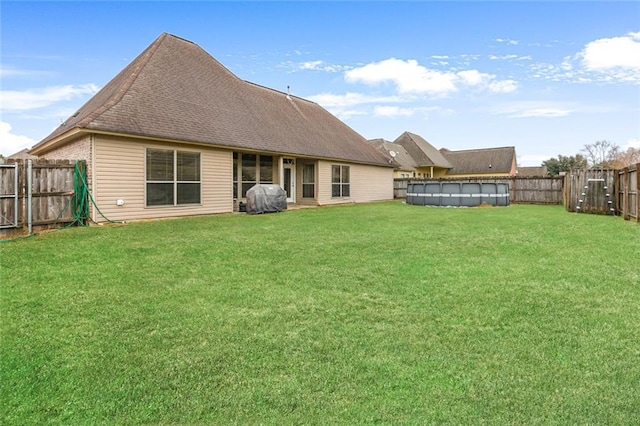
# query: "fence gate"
{"points": [[628, 196], [591, 191]]}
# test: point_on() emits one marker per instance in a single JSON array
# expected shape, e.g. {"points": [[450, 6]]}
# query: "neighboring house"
{"points": [[175, 133], [427, 160], [22, 155], [404, 166], [481, 162], [533, 171]]}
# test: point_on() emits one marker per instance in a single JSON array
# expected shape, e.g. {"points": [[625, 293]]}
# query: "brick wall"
{"points": [[79, 149]]}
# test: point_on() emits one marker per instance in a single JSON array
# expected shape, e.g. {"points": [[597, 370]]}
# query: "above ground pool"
{"points": [[457, 194]]}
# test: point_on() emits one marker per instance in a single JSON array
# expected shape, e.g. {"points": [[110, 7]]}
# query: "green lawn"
{"points": [[379, 313]]}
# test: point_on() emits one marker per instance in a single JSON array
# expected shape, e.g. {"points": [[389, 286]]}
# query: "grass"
{"points": [[379, 313]]}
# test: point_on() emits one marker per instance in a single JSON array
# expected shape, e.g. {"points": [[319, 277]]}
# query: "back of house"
{"points": [[175, 133]]}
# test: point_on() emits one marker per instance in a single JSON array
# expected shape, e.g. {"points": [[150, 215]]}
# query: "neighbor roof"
{"points": [[175, 90], [487, 160], [533, 171], [423, 153], [398, 156]]}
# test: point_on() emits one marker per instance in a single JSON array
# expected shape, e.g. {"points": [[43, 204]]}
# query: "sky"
{"points": [[545, 77]]}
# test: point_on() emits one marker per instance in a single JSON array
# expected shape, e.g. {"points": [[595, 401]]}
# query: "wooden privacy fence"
{"points": [[604, 191], [627, 182], [524, 190], [35, 193], [591, 191]]}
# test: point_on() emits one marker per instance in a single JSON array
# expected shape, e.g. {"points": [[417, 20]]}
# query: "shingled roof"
{"points": [[175, 90], [423, 153], [481, 161], [398, 156]]}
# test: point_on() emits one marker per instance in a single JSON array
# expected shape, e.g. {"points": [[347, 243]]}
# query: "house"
{"points": [[404, 166], [22, 155], [414, 157], [481, 162], [427, 162], [175, 133], [533, 171]]}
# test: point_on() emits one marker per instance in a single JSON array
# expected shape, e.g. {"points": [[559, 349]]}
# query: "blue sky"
{"points": [[545, 77]]}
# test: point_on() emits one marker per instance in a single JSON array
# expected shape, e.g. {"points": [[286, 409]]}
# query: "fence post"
{"points": [[638, 193], [29, 191], [626, 177], [616, 191]]}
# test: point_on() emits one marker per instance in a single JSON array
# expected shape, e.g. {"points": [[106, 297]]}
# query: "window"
{"points": [[173, 177], [251, 169], [266, 169], [340, 181], [308, 181]]}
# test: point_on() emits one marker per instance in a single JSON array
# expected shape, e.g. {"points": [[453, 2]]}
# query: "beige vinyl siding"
{"points": [[367, 183], [119, 173]]}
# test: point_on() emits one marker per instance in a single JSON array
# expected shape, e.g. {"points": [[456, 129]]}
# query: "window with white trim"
{"points": [[172, 177], [340, 181]]}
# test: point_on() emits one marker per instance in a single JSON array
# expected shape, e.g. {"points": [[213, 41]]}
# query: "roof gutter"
{"points": [[77, 131], [43, 147]]}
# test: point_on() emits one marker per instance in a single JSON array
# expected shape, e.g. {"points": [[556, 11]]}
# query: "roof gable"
{"points": [[423, 153], [398, 156], [175, 90]]}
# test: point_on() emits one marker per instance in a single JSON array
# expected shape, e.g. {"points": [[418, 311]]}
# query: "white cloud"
{"points": [[329, 100], [392, 111], [14, 100], [346, 113], [532, 109], [632, 143], [507, 41], [511, 57], [351, 104], [612, 60], [320, 66], [12, 143], [503, 86], [409, 77], [607, 53], [6, 71], [474, 77], [542, 112]]}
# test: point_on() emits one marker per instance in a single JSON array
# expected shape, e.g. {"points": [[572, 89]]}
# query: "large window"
{"points": [[173, 177], [340, 181], [308, 181], [251, 169]]}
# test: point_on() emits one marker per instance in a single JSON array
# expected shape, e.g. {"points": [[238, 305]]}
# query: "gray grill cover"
{"points": [[266, 199]]}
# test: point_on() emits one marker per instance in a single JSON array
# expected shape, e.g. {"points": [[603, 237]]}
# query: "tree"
{"points": [[627, 158], [601, 154], [564, 164]]}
